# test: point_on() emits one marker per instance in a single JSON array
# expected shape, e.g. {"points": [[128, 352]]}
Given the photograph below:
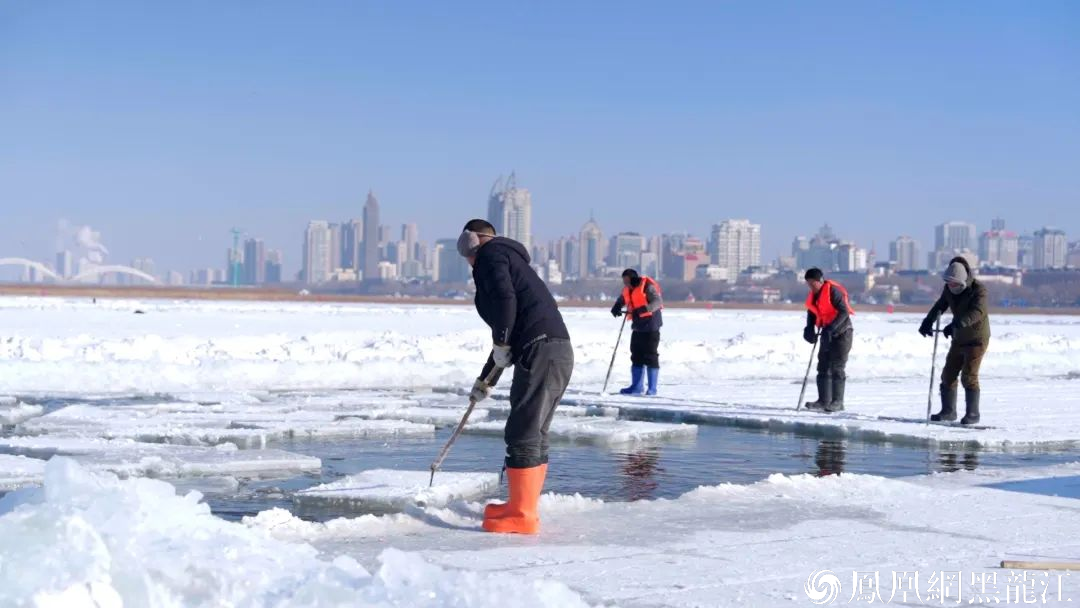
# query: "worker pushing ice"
{"points": [[527, 332]]}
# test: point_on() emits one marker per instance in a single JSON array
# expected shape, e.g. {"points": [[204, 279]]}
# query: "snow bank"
{"points": [[58, 345], [111, 543]]}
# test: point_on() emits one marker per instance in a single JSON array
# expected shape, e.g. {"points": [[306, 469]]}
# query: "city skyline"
{"points": [[879, 122]]}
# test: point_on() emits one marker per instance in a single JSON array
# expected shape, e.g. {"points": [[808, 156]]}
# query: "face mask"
{"points": [[957, 289]]}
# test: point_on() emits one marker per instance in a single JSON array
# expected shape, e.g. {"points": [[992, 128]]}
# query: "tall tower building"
{"points": [[954, 236], [510, 211], [736, 246], [591, 249], [273, 266], [625, 252], [65, 264], [999, 247], [410, 234], [317, 253], [371, 238], [352, 239], [1051, 249], [904, 252], [254, 262]]}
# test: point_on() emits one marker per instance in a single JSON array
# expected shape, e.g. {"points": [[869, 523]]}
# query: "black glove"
{"points": [[948, 331], [640, 310], [809, 335], [616, 311], [927, 328]]}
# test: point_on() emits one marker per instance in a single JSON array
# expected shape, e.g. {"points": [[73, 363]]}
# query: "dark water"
{"points": [[719, 454]]}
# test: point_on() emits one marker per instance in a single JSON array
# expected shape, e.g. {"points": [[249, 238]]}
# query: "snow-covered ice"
{"points": [[732, 365], [226, 373], [387, 490]]}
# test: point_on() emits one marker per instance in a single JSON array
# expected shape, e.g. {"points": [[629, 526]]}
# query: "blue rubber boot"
{"points": [[653, 373], [637, 375]]}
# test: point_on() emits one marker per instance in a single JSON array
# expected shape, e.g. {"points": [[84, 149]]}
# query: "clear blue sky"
{"points": [[164, 124]]}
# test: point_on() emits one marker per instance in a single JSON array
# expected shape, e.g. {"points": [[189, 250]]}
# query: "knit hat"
{"points": [[955, 273], [468, 244]]}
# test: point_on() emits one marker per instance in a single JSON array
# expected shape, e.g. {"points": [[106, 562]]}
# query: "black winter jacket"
{"points": [[512, 299]]}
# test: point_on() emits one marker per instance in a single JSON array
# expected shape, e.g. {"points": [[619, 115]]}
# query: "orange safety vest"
{"points": [[634, 297], [823, 308]]}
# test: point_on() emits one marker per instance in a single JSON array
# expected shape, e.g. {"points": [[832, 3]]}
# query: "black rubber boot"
{"points": [[824, 392], [838, 385], [948, 405], [972, 415]]}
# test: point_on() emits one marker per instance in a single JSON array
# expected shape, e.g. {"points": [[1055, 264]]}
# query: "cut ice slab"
{"points": [[13, 412], [599, 430], [381, 490], [18, 471], [134, 459]]}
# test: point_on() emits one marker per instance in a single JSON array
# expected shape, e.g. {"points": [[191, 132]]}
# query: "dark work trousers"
{"points": [[541, 374], [963, 362], [644, 347], [833, 354]]}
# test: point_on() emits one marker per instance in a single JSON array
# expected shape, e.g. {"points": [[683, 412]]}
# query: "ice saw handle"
{"points": [[460, 427]]}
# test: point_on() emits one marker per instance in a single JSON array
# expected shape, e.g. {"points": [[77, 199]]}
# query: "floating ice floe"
{"points": [[598, 430], [387, 490], [194, 424], [135, 459], [18, 471]]}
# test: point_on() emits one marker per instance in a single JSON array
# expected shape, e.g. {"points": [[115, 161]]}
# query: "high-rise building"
{"points": [[272, 273], [735, 245], [510, 211], [336, 245], [452, 268], [65, 264], [371, 238], [625, 250], [352, 242], [317, 253], [410, 234], [954, 236], [1026, 252], [1051, 249], [254, 272], [591, 251], [904, 252], [999, 247], [1073, 259]]}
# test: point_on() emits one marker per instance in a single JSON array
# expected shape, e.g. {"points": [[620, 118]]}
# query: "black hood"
{"points": [[504, 245]]}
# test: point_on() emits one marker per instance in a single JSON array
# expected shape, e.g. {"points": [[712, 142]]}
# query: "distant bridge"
{"points": [[38, 266], [86, 275]]}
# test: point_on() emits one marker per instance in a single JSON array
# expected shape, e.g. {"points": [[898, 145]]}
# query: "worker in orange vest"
{"points": [[642, 300], [828, 319]]}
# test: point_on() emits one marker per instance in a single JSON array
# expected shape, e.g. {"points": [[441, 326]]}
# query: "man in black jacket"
{"points": [[527, 332]]}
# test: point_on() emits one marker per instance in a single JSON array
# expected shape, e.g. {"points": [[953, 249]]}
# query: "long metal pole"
{"points": [[460, 427], [613, 355], [806, 378], [933, 371]]}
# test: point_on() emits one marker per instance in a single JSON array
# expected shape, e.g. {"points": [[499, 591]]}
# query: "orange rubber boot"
{"points": [[519, 515], [498, 509]]}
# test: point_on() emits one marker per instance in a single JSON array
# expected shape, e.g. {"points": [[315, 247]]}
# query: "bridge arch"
{"points": [[97, 271], [25, 263]]}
